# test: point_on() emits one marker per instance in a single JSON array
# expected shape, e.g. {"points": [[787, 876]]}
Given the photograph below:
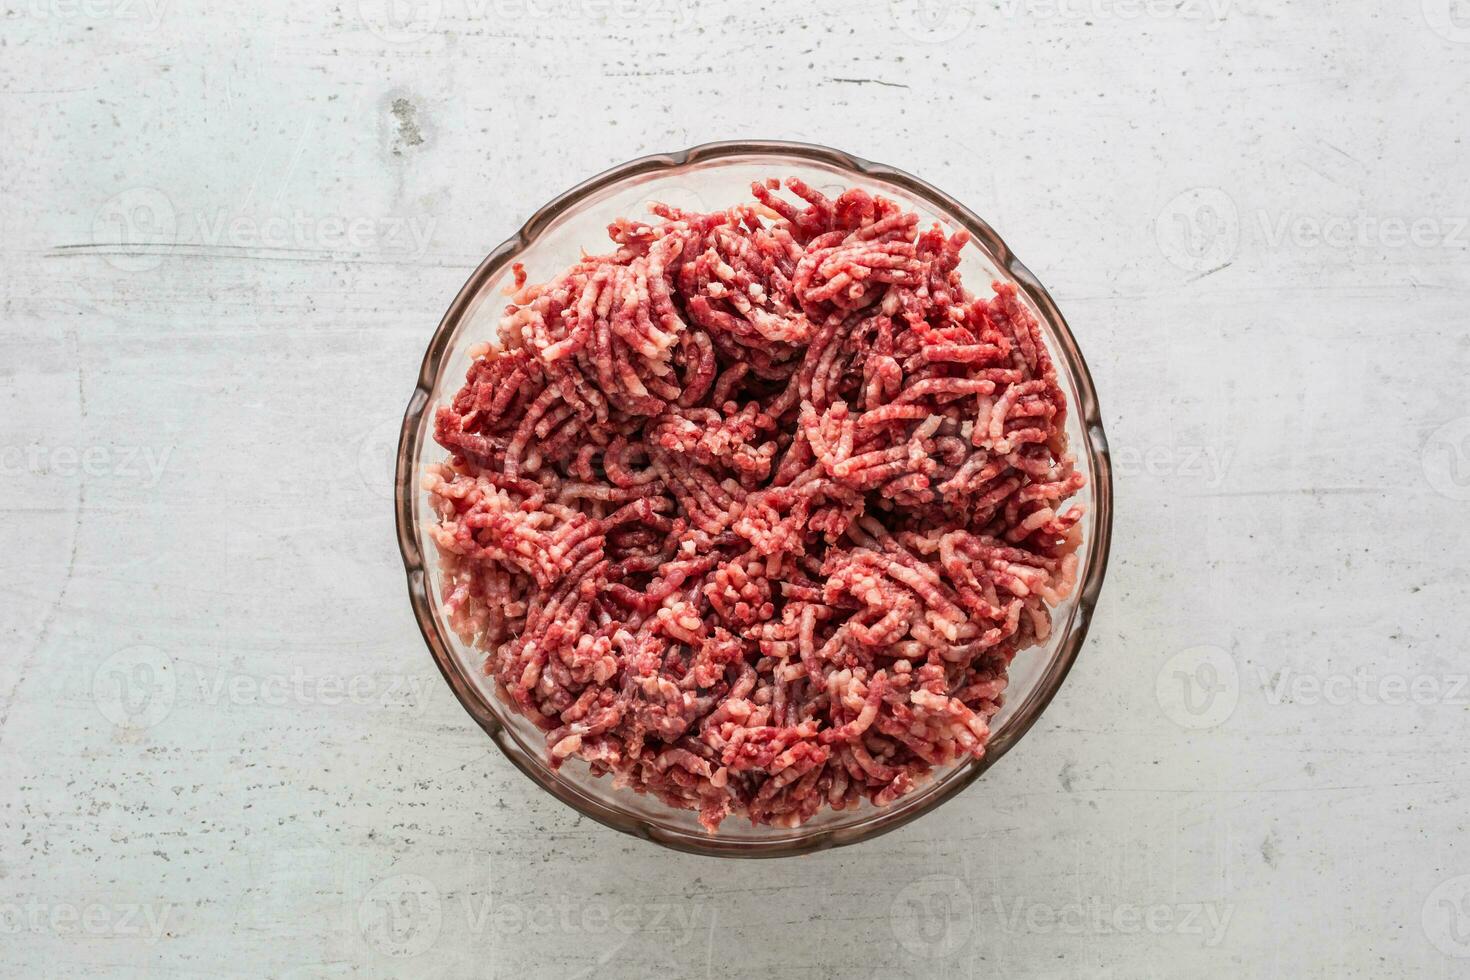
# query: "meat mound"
{"points": [[754, 511]]}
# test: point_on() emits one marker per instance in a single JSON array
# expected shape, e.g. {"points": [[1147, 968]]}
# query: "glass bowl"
{"points": [[707, 177]]}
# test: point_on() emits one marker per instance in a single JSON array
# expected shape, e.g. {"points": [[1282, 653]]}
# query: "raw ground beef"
{"points": [[754, 512]]}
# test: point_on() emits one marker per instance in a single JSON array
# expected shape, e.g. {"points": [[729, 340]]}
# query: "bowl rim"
{"points": [[1089, 417]]}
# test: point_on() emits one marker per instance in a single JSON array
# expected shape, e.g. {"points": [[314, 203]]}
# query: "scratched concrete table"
{"points": [[227, 233]]}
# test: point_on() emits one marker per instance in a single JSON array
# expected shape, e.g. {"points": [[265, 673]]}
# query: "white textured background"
{"points": [[226, 232]]}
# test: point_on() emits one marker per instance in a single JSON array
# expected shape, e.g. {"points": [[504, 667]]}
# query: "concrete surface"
{"points": [[226, 231]]}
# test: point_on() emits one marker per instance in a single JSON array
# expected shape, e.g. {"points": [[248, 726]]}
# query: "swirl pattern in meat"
{"points": [[754, 511]]}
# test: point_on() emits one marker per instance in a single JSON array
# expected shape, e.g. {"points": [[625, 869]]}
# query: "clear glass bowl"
{"points": [[706, 177]]}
